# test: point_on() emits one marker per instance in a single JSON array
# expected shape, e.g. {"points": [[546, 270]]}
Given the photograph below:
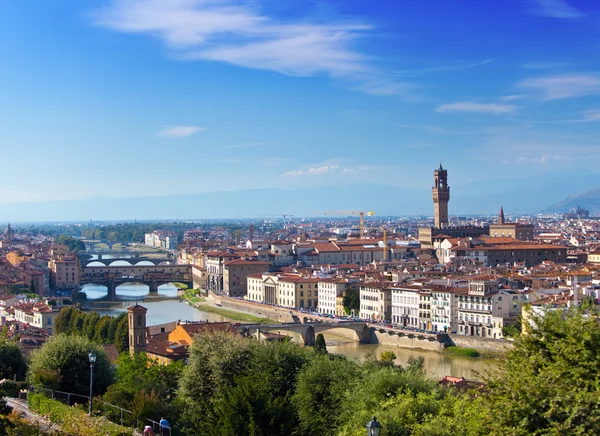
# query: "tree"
{"points": [[320, 345], [215, 361], [145, 388], [73, 244], [548, 383], [62, 363], [387, 358], [351, 300], [319, 394], [259, 401], [121, 340], [12, 359]]}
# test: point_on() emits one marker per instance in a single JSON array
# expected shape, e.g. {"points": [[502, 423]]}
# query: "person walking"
{"points": [[165, 427]]}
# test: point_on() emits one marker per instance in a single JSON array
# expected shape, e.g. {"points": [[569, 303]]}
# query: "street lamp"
{"points": [[92, 357], [373, 427]]}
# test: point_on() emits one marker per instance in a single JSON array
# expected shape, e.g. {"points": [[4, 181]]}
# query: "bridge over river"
{"points": [[151, 275], [359, 331]]}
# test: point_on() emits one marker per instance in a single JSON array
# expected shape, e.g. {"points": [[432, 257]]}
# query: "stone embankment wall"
{"points": [[481, 344], [278, 313], [406, 342]]}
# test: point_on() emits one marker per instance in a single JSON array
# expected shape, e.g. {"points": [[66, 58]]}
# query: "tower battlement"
{"points": [[440, 193]]}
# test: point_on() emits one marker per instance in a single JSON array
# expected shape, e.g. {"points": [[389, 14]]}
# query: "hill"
{"points": [[589, 199]]}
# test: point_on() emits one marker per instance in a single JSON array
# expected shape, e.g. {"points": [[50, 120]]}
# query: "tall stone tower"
{"points": [[137, 329], [441, 196]]}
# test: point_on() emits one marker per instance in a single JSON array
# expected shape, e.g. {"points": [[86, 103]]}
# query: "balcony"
{"points": [[485, 311]]}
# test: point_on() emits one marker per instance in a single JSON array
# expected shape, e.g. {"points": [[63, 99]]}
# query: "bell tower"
{"points": [[441, 195], [137, 329]]}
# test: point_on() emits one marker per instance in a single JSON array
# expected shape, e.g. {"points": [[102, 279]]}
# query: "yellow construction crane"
{"points": [[385, 247], [360, 213]]}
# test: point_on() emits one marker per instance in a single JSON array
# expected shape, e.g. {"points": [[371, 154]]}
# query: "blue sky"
{"points": [[154, 97]]}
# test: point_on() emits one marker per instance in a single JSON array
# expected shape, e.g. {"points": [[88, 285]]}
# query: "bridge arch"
{"points": [[359, 332], [118, 262]]}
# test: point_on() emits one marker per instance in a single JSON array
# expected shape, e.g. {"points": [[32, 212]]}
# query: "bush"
{"points": [[74, 420], [464, 352]]}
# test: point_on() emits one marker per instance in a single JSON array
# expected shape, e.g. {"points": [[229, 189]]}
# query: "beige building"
{"points": [[287, 290], [594, 256], [235, 275], [376, 301], [65, 271]]}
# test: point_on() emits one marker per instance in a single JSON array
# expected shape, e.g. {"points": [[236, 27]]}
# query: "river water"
{"points": [[165, 307]]}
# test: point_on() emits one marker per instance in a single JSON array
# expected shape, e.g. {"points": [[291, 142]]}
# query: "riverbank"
{"points": [[203, 304]]}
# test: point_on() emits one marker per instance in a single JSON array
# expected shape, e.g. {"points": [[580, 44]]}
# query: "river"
{"points": [[165, 307]]}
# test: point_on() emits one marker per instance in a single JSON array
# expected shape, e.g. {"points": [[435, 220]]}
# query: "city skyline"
{"points": [[127, 98]]}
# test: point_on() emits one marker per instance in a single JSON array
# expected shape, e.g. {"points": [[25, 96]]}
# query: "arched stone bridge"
{"points": [[130, 260], [152, 276], [360, 330]]}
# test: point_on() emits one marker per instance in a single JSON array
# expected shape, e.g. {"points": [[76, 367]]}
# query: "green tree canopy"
{"points": [[12, 359], [62, 363], [74, 245], [550, 383], [351, 300], [320, 344]]}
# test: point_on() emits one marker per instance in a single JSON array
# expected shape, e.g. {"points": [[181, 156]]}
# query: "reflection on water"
{"points": [[164, 307]]}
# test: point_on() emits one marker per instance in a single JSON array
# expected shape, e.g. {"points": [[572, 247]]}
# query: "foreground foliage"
{"points": [[12, 360], [62, 364], [99, 329], [74, 420], [550, 382]]}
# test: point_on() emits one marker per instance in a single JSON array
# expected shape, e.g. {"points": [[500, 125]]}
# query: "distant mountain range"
{"points": [[516, 195], [589, 199]]}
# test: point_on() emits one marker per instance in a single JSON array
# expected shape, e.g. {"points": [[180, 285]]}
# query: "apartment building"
{"points": [[444, 303], [376, 301], [329, 292], [405, 305], [215, 262], [236, 272], [486, 308], [65, 271], [161, 239]]}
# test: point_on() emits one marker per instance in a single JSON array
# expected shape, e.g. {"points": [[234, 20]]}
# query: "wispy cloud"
{"points": [[547, 159], [433, 129], [556, 9], [466, 106], [250, 144], [544, 65], [438, 69], [589, 116], [239, 33], [180, 131], [512, 97], [563, 85], [323, 169]]}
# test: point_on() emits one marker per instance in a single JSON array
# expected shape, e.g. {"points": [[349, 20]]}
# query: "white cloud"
{"points": [[589, 116], [250, 144], [544, 65], [180, 131], [512, 97], [239, 33], [295, 173], [563, 85], [556, 9], [466, 106], [323, 169], [547, 159]]}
